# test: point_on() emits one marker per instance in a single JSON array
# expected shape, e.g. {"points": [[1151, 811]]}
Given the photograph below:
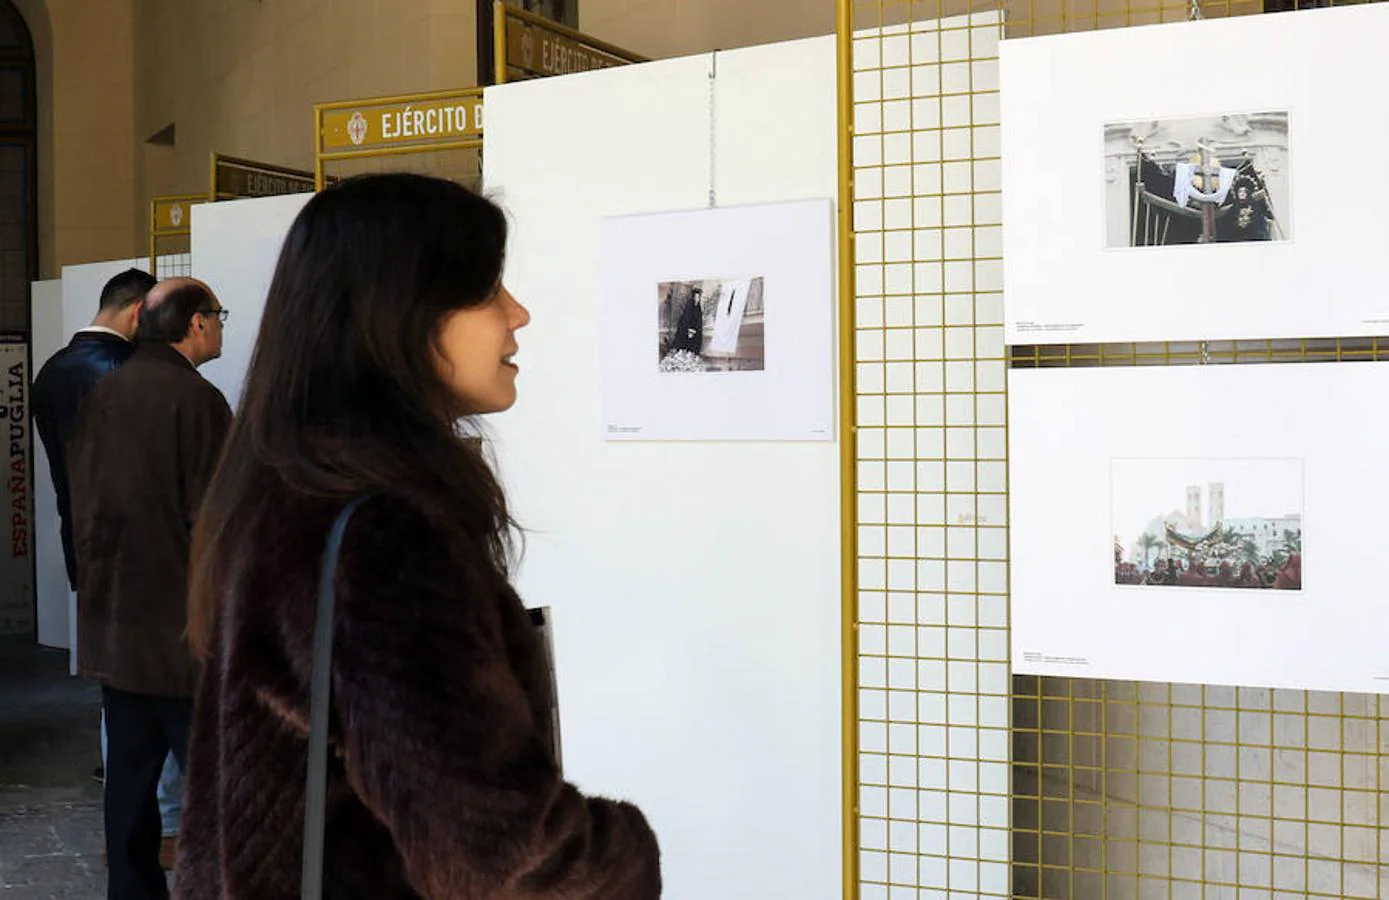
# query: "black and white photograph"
{"points": [[1208, 523], [1199, 180], [711, 325]]}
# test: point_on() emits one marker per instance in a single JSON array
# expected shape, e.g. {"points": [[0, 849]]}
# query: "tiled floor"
{"points": [[50, 808]]}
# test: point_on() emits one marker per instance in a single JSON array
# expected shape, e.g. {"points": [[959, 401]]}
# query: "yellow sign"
{"points": [[172, 215], [423, 120], [233, 177], [542, 48]]}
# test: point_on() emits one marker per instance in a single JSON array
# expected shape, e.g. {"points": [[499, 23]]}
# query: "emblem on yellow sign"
{"points": [[176, 214], [357, 128]]}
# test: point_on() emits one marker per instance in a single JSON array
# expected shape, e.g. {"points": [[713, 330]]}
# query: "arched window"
{"points": [[18, 182]]}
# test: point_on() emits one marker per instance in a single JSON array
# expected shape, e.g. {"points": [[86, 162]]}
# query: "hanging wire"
{"points": [[713, 136], [1205, 348]]}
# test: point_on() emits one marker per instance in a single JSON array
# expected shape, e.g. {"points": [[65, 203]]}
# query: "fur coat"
{"points": [[441, 780]]}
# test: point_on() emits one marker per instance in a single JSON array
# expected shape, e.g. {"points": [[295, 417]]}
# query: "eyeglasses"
{"points": [[221, 314]]}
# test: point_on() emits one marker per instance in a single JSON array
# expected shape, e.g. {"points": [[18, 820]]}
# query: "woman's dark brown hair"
{"points": [[343, 396]]}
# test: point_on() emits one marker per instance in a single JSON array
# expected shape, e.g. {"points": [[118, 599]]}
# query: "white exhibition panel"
{"points": [[235, 246], [694, 586], [60, 307], [1063, 281], [1095, 450], [47, 336]]}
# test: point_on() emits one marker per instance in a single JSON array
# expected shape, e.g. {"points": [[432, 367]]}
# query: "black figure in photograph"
{"points": [[689, 330]]}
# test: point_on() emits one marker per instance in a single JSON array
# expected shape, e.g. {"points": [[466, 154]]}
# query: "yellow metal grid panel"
{"points": [[972, 782], [932, 619], [174, 257], [1187, 791]]}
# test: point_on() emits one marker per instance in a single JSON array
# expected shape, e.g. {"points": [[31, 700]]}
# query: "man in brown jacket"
{"points": [[142, 452]]}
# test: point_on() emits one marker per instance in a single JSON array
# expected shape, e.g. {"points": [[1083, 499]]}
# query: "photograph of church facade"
{"points": [[1198, 544], [1205, 180]]}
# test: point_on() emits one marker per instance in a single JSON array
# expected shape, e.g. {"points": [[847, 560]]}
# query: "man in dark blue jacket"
{"points": [[73, 371]]}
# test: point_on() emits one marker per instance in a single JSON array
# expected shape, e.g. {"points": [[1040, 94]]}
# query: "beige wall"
{"points": [[665, 28], [240, 77]]}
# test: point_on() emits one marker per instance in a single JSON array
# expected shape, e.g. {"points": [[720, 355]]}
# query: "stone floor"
{"points": [[50, 808]]}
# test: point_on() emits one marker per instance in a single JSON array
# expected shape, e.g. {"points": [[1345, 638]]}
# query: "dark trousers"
{"points": [[141, 731]]}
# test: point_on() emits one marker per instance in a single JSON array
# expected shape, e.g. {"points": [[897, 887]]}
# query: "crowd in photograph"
{"points": [[1175, 572]]}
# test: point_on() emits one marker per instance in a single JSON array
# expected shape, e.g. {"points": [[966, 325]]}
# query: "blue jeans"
{"points": [[170, 790]]}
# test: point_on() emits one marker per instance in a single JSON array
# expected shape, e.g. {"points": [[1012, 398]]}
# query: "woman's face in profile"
{"points": [[476, 346]]}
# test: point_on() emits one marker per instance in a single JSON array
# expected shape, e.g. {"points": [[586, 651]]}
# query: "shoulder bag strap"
{"points": [[320, 699]]}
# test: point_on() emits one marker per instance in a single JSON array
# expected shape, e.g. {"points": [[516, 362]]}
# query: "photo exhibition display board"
{"points": [[747, 354], [1194, 181], [1159, 517], [694, 587], [59, 308], [236, 246], [47, 335]]}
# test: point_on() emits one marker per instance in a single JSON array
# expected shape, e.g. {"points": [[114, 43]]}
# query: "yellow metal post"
{"points": [[848, 455], [317, 147], [154, 270], [499, 41]]}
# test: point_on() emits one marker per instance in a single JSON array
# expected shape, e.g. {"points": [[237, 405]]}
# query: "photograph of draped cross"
{"points": [[1203, 180], [1212, 523], [711, 325]]}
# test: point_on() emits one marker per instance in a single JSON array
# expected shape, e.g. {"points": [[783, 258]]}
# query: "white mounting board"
{"points": [[1086, 443], [694, 586], [1063, 284]]}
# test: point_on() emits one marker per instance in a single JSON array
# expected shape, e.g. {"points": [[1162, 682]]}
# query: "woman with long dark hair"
{"points": [[386, 323]]}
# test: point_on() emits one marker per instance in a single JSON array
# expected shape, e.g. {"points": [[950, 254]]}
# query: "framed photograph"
{"points": [[1193, 181], [1199, 524], [718, 324]]}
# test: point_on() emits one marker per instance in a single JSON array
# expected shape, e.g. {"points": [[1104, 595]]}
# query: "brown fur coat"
{"points": [[441, 782]]}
